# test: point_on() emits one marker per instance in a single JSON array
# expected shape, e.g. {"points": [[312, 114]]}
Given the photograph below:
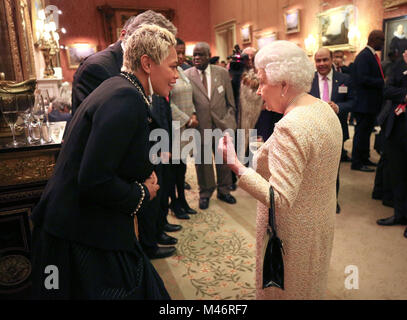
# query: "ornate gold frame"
{"points": [[328, 13], [392, 3], [297, 29], [114, 18], [21, 39]]}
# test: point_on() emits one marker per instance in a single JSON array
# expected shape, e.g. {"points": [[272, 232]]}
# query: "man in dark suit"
{"points": [[396, 142], [90, 74], [368, 78], [97, 68], [336, 89], [338, 57]]}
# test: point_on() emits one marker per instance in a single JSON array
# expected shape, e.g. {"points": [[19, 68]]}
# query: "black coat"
{"points": [[368, 82], [345, 101], [92, 193], [396, 91], [94, 70]]}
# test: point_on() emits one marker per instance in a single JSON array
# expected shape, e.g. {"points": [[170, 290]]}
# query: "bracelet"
{"points": [[143, 194]]}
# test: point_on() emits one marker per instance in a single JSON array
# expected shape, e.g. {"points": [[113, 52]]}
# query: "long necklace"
{"points": [[126, 75]]}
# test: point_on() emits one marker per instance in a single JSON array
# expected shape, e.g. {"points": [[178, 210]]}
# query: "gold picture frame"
{"points": [[77, 52], [392, 3], [334, 26], [292, 21]]}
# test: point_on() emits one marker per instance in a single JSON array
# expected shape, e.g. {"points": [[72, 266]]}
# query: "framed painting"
{"points": [[77, 52], [245, 33], [292, 21], [115, 17], [395, 30], [334, 26], [265, 39]]}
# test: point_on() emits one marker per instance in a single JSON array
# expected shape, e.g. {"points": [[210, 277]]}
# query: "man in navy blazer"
{"points": [[96, 68], [339, 92], [368, 78], [396, 142]]}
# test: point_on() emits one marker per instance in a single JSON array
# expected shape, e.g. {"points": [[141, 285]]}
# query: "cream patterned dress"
{"points": [[300, 160]]}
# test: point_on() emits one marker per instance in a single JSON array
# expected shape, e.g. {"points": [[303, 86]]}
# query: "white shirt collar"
{"points": [[329, 75], [371, 49]]}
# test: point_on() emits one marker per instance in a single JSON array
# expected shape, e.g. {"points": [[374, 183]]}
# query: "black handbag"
{"points": [[273, 264]]}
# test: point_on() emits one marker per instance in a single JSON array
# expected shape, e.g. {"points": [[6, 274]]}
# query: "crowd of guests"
{"points": [[105, 209]]}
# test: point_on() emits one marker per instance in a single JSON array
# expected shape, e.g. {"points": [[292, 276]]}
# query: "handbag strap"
{"points": [[272, 211]]}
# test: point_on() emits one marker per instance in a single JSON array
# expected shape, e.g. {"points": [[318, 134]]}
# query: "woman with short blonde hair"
{"points": [[83, 224]]}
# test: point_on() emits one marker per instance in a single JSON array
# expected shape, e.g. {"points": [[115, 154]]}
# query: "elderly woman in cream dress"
{"points": [[300, 162]]}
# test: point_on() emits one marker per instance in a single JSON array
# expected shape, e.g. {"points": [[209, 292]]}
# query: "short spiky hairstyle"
{"points": [[150, 40]]}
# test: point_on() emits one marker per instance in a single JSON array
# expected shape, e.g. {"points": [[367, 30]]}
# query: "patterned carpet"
{"points": [[215, 253]]}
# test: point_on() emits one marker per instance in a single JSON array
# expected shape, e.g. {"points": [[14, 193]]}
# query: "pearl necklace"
{"points": [[126, 75]]}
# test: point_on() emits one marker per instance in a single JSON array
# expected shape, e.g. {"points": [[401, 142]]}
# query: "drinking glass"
{"points": [[25, 103], [38, 112], [9, 108], [47, 103]]}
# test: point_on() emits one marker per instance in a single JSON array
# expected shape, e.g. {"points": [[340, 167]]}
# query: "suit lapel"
{"points": [[334, 85], [315, 87], [214, 80]]}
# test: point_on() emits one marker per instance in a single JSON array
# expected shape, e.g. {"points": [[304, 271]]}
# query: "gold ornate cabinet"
{"points": [[24, 172]]}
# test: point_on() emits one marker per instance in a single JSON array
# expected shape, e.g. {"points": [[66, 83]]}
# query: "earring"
{"points": [[150, 89]]}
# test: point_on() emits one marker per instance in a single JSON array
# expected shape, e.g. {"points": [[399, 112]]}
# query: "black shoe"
{"points": [[370, 163], [388, 203], [233, 187], [391, 221], [187, 186], [161, 252], [203, 203], [187, 208], [346, 158], [166, 240], [227, 198], [363, 169], [179, 212], [405, 233], [172, 227], [377, 195], [338, 208]]}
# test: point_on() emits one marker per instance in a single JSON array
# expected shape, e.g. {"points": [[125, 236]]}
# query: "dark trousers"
{"points": [[166, 182], [178, 185], [149, 218], [361, 139], [397, 151], [382, 182]]}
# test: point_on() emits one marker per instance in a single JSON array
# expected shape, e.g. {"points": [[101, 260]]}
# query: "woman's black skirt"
{"points": [[68, 270]]}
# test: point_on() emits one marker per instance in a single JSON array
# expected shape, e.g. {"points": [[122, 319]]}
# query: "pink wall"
{"points": [[84, 23], [265, 16], [196, 19]]}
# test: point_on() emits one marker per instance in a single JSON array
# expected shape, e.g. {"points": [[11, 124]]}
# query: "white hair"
{"points": [[285, 61], [150, 40]]}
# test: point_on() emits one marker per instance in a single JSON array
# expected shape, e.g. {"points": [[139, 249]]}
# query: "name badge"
{"points": [[343, 89], [220, 89]]}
